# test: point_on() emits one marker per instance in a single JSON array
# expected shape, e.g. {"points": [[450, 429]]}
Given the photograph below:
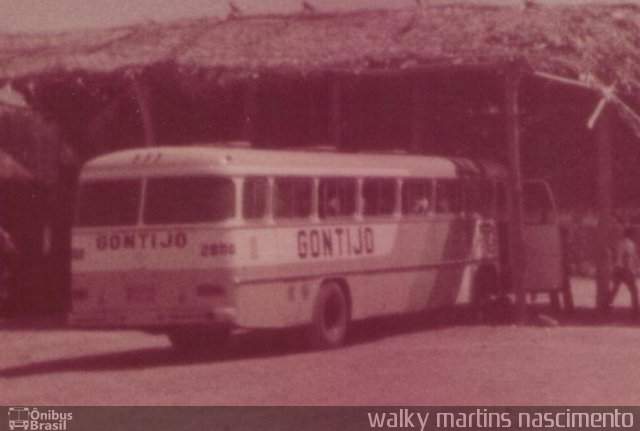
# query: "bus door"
{"points": [[542, 239]]}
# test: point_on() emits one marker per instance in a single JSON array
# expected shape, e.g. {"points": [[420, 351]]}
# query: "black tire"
{"points": [[200, 340], [330, 318]]}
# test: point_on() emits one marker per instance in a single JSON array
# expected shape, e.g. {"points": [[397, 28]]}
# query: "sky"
{"points": [[62, 15]]}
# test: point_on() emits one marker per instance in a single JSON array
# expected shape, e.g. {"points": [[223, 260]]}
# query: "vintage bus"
{"points": [[196, 241]]}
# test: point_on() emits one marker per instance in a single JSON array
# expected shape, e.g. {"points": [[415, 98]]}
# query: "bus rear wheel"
{"points": [[330, 318], [200, 340]]}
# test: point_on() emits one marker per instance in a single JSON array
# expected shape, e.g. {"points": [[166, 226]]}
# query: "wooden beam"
{"points": [[250, 111], [418, 117], [142, 98], [516, 226], [604, 152], [335, 107], [565, 81]]}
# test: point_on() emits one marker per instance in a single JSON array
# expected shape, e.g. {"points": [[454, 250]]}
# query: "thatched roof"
{"points": [[574, 41]]}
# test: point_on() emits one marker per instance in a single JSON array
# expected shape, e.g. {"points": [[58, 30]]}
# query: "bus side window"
{"points": [[416, 196], [254, 198], [337, 197], [449, 197], [292, 197], [108, 203], [379, 196], [189, 199]]}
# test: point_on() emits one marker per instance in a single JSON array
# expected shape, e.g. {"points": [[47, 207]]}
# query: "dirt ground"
{"points": [[443, 361]]}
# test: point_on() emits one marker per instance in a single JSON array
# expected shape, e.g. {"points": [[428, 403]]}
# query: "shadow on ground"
{"points": [[247, 345], [264, 344]]}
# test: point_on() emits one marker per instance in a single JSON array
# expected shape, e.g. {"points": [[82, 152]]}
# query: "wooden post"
{"points": [[335, 114], [604, 207], [418, 115], [516, 225], [250, 111], [142, 98]]}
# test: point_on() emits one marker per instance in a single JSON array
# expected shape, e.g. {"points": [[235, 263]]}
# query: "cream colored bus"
{"points": [[196, 241]]}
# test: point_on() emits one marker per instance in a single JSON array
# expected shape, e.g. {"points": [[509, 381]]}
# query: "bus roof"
{"points": [[224, 160]]}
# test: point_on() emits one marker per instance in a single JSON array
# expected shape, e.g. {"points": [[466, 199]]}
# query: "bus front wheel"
{"points": [[330, 318], [199, 340]]}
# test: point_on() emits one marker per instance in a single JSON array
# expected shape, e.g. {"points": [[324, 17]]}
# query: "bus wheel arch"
{"points": [[331, 314], [345, 289]]}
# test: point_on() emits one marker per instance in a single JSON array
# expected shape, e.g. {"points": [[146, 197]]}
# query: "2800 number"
{"points": [[217, 249]]}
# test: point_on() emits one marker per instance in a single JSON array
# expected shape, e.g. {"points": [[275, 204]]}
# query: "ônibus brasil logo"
{"points": [[32, 419]]}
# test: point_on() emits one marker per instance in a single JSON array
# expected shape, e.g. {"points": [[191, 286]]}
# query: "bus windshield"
{"points": [[188, 200], [108, 203]]}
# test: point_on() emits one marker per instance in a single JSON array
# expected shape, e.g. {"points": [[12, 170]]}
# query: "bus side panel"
{"points": [[411, 291], [431, 269], [402, 280], [276, 304], [390, 293], [454, 241], [389, 267]]}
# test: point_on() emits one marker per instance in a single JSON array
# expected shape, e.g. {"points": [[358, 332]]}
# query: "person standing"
{"points": [[626, 268]]}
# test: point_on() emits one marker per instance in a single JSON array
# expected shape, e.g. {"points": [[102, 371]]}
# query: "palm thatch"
{"points": [[574, 41]]}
